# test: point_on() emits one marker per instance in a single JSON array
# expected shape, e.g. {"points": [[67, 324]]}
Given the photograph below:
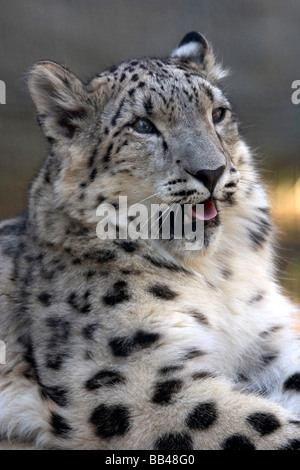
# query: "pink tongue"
{"points": [[210, 211]]}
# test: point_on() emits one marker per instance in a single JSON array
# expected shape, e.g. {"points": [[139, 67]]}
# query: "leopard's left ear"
{"points": [[196, 49], [60, 99]]}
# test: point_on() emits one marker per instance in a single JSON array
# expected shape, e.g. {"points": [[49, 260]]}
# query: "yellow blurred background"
{"points": [[284, 192]]}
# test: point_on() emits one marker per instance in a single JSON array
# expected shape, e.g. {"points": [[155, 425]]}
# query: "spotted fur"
{"points": [[142, 344]]}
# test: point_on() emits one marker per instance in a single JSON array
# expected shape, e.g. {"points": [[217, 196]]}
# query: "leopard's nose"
{"points": [[208, 178]]}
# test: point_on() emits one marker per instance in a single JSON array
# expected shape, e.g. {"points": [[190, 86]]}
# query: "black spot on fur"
{"points": [[107, 156], [202, 417], [134, 77], [131, 91], [237, 442], [169, 369], [127, 245], [292, 383], [226, 272], [242, 377], [264, 210], [100, 199], [193, 353], [50, 140], [103, 378], [79, 302], [40, 119], [148, 106], [256, 298], [29, 356], [125, 271], [117, 115], [91, 160], [263, 423], [169, 265], [89, 330], [296, 422], [210, 94], [57, 394], [164, 391], [113, 68], [123, 346], [89, 356], [61, 328], [101, 256], [292, 444], [45, 298], [85, 309], [174, 441], [90, 273], [145, 339], [93, 174], [271, 331], [60, 427], [47, 177], [198, 316], [118, 293], [258, 237], [71, 299], [111, 421], [202, 375], [55, 360], [268, 358], [162, 291]]}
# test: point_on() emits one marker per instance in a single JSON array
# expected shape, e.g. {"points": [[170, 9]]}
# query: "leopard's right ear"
{"points": [[195, 48], [60, 98]]}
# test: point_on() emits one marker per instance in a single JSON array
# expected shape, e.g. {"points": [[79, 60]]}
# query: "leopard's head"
{"points": [[153, 130]]}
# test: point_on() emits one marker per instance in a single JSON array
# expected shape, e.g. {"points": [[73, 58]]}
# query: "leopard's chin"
{"points": [[197, 237]]}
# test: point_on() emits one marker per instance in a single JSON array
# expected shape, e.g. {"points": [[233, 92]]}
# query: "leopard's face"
{"points": [[155, 131], [176, 138]]}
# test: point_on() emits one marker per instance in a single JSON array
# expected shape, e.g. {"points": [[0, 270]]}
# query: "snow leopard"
{"points": [[139, 343]]}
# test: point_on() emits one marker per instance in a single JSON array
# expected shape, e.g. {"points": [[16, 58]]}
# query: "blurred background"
{"points": [[259, 40]]}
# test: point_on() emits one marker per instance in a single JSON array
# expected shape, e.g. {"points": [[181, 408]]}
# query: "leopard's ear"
{"points": [[195, 48], [60, 99]]}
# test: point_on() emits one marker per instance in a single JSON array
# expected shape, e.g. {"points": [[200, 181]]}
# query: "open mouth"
{"points": [[205, 211], [191, 219], [209, 212]]}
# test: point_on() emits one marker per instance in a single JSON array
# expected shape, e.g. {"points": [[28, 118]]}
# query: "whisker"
{"points": [[160, 227]]}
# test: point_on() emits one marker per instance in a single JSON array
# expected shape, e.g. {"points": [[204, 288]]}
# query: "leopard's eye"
{"points": [[144, 126], [218, 115]]}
